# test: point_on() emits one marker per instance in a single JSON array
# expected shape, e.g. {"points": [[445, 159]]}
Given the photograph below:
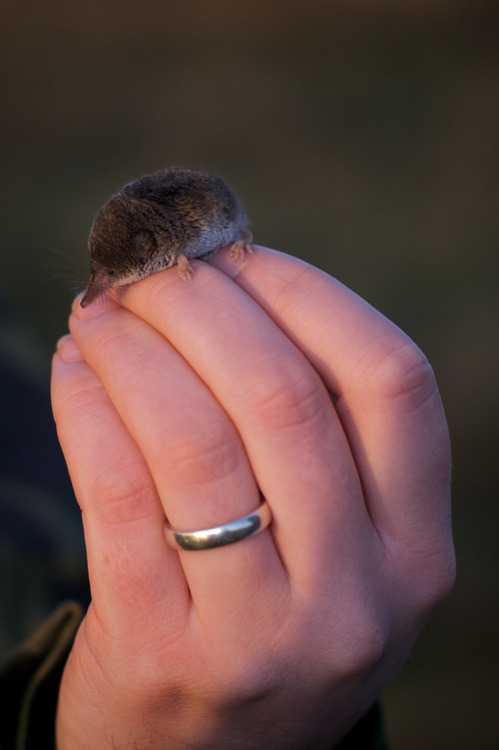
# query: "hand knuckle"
{"points": [[402, 373], [208, 452], [292, 397]]}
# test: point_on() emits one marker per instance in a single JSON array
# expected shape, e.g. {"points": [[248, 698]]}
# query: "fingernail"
{"points": [[100, 305], [68, 350]]}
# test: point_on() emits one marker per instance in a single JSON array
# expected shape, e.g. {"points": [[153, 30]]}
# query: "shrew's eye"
{"points": [[111, 271]]}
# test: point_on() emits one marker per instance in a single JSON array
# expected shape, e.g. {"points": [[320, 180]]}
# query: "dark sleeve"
{"points": [[367, 734], [30, 679]]}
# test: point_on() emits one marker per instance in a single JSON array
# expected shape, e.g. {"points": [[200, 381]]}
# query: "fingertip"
{"points": [[68, 350]]}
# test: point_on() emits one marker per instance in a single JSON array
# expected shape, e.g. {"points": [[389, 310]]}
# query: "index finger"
{"points": [[387, 394]]}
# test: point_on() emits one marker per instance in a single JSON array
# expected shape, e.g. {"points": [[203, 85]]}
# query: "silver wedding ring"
{"points": [[219, 536]]}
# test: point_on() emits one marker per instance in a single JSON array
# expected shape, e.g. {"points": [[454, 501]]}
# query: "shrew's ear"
{"points": [[143, 244]]}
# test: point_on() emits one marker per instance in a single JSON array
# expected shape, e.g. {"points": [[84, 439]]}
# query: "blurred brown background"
{"points": [[362, 136]]}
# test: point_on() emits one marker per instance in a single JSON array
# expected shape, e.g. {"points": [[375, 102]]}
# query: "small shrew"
{"points": [[161, 220]]}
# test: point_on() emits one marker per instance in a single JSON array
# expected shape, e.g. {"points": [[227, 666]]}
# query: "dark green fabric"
{"points": [[367, 734], [30, 679]]}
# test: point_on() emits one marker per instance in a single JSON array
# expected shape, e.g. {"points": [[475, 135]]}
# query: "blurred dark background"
{"points": [[361, 136]]}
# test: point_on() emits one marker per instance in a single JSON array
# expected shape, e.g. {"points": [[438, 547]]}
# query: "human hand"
{"points": [[186, 400]]}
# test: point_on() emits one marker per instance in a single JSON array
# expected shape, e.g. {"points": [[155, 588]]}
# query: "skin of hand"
{"points": [[186, 399]]}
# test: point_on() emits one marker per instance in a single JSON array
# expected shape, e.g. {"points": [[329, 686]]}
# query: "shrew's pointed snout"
{"points": [[99, 283]]}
